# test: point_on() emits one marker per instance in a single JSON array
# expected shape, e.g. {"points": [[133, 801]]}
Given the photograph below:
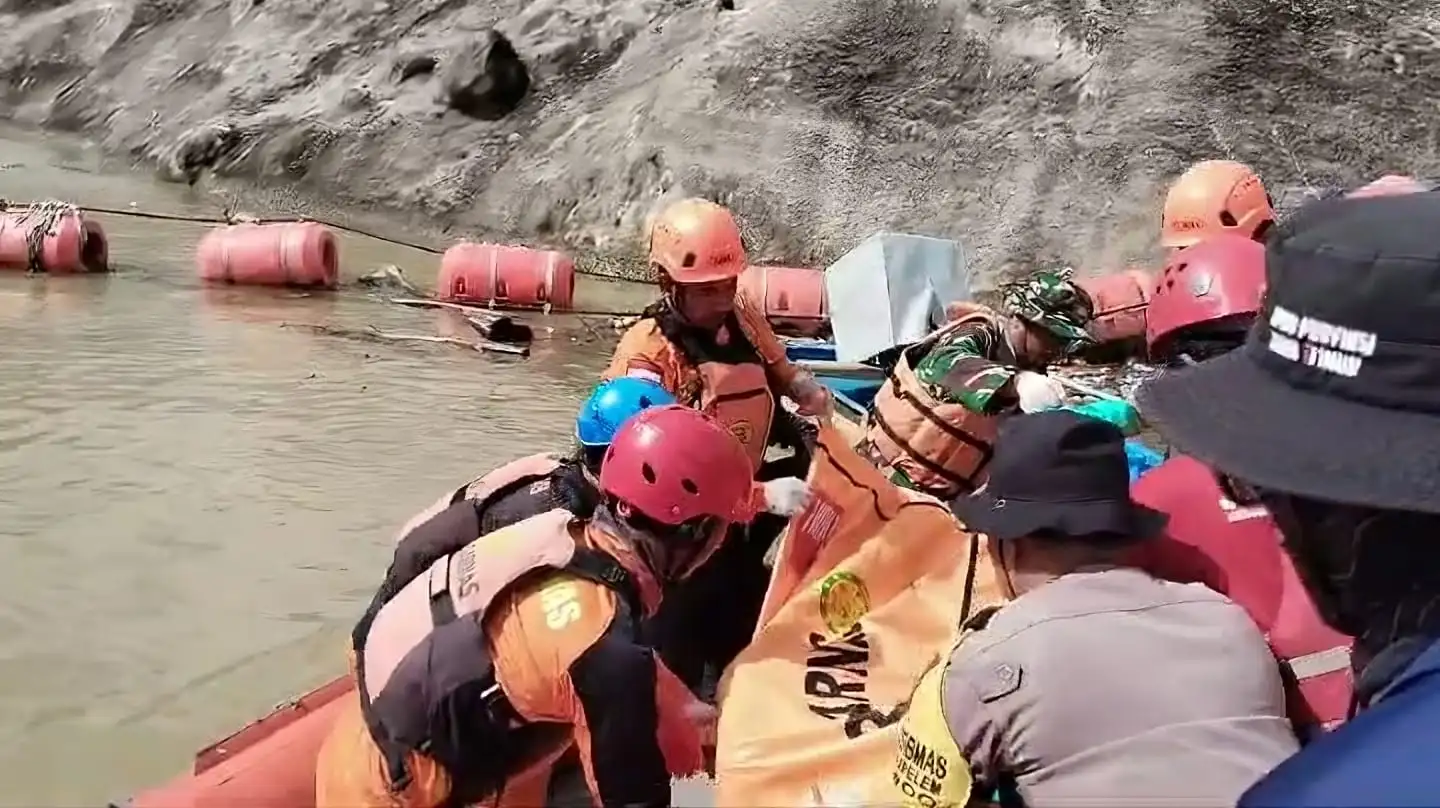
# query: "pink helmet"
{"points": [[1221, 278], [674, 464]]}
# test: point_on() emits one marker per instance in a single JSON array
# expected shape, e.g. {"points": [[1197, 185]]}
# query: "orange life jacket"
{"points": [[942, 447], [487, 486], [424, 671], [737, 395]]}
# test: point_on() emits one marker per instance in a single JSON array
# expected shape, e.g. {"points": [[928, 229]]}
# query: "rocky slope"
{"points": [[1034, 131]]}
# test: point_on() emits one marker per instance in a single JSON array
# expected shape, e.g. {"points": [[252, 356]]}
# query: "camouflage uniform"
{"points": [[983, 356]]}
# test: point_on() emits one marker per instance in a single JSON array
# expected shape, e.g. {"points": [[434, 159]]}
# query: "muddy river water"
{"points": [[196, 496]]}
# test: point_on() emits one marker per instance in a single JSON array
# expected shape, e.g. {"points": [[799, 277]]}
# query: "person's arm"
{"points": [[795, 383], [972, 725], [643, 353], [782, 373], [960, 369], [616, 721]]}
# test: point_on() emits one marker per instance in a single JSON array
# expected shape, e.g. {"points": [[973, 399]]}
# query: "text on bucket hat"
{"points": [[1336, 393], [1060, 473]]}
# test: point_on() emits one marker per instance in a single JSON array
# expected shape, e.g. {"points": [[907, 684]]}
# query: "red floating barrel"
{"points": [[303, 254], [69, 244], [506, 275], [793, 298], [1121, 299]]}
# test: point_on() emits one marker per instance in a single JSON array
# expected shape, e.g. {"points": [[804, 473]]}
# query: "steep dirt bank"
{"points": [[1033, 130]]}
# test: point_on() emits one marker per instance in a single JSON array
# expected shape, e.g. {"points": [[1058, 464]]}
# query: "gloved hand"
{"points": [[812, 398], [1038, 392], [786, 496]]}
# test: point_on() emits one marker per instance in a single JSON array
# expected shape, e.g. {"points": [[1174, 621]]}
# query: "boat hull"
{"points": [[268, 764]]}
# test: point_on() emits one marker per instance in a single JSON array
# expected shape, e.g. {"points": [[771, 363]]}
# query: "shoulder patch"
{"points": [[998, 680]]}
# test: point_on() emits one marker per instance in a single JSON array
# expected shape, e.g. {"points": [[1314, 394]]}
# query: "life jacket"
{"points": [[730, 383], [942, 447], [1378, 758], [1236, 551], [423, 667], [483, 490]]}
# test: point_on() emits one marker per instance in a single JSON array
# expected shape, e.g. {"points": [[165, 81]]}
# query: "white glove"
{"points": [[1038, 392], [786, 496]]}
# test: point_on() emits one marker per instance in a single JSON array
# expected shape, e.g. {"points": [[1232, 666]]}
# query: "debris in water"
{"points": [[373, 334], [389, 277]]}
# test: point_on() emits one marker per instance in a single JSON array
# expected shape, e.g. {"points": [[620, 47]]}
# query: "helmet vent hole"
{"points": [[689, 260], [648, 473], [689, 485], [1182, 267], [646, 403], [1263, 230], [1227, 219]]}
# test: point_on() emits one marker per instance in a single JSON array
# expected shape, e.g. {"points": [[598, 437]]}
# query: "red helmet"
{"points": [[674, 464], [1221, 278]]}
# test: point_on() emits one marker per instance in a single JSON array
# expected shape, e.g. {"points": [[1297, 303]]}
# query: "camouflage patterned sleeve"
{"points": [[959, 368]]}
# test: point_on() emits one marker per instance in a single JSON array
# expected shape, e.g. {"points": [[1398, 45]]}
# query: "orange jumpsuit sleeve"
{"points": [[644, 352], [778, 367], [567, 652]]}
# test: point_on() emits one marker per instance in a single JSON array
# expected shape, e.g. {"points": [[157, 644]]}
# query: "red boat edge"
{"points": [[269, 763]]}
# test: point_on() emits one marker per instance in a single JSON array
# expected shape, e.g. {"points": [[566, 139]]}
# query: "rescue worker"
{"points": [[705, 342], [1328, 415], [710, 346], [1214, 197], [539, 483], [932, 424], [496, 658], [1205, 300], [1098, 684]]}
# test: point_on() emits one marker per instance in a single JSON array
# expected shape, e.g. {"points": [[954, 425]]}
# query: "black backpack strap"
{"points": [[596, 566]]}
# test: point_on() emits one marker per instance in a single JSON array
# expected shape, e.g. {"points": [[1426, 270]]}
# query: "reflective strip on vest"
{"points": [[1319, 663], [485, 486]]}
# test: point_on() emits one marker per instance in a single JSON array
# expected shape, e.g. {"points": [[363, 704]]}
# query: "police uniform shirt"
{"points": [[1104, 687]]}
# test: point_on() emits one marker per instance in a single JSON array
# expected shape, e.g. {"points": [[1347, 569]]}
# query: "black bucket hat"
{"points": [[1062, 474], [1336, 393]]}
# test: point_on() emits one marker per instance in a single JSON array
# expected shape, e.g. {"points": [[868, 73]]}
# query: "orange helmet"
{"points": [[1214, 197], [696, 241]]}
